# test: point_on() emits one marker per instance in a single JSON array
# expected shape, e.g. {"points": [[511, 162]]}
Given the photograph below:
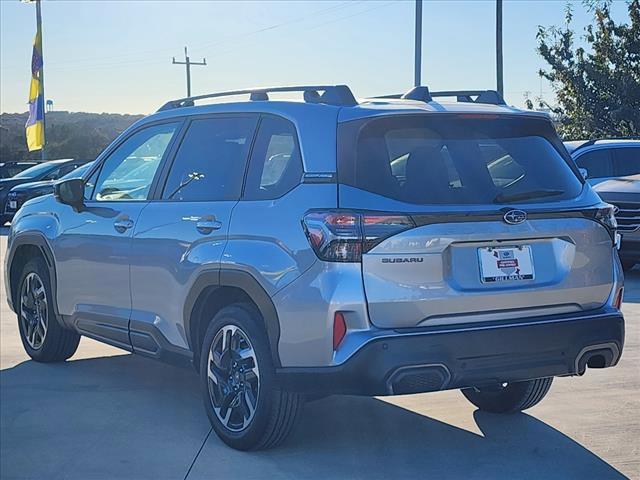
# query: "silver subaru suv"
{"points": [[295, 249]]}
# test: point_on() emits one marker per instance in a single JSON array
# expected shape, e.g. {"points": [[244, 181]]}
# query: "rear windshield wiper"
{"points": [[516, 197]]}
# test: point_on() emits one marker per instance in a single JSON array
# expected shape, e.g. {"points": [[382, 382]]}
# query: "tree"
{"points": [[597, 87]]}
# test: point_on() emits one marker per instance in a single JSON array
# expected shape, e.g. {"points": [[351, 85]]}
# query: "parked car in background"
{"points": [[613, 168], [19, 194], [10, 169], [606, 159], [51, 170]]}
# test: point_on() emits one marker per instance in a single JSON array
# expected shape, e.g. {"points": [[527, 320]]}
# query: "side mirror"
{"points": [[70, 192], [584, 173]]}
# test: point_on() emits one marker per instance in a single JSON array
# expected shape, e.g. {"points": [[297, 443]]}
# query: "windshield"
{"points": [[78, 172], [455, 159], [37, 170]]}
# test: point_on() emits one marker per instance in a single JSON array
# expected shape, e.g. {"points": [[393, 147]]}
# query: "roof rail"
{"points": [[423, 94], [588, 143], [339, 95], [492, 97]]}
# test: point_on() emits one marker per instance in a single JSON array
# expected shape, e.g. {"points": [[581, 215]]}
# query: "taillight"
{"points": [[607, 218], [343, 236], [617, 302]]}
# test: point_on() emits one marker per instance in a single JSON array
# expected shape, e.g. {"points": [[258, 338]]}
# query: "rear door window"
{"points": [[211, 160], [626, 161], [598, 163], [450, 159]]}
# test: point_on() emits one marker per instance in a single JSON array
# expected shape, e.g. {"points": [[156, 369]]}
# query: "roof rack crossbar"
{"points": [[422, 94], [339, 95]]}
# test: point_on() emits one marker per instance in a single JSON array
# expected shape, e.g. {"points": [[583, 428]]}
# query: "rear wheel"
{"points": [[43, 338], [246, 408], [509, 397]]}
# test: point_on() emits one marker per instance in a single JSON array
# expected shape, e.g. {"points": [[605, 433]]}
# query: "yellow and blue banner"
{"points": [[35, 122]]}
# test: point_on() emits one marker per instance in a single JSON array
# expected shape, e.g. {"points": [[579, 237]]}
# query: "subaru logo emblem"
{"points": [[514, 217]]}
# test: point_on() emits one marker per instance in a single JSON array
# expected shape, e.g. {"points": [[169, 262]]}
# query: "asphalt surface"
{"points": [[106, 414]]}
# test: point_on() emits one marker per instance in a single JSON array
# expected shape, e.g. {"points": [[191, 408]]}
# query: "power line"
{"points": [[187, 62], [202, 45], [278, 25], [123, 63]]}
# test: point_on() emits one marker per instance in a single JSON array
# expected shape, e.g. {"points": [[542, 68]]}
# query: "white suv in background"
{"points": [[613, 168]]}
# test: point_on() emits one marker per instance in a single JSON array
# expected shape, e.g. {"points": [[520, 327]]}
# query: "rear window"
{"points": [[452, 159]]}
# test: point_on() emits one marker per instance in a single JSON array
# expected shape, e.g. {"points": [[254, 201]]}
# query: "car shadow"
{"points": [[129, 417]]}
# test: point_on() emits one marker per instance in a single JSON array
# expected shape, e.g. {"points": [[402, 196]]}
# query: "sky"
{"points": [[115, 56]]}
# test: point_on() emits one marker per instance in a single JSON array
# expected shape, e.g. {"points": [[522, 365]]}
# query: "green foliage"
{"points": [[69, 135], [597, 87]]}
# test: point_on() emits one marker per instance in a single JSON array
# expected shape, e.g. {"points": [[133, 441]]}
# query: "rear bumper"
{"points": [[446, 358]]}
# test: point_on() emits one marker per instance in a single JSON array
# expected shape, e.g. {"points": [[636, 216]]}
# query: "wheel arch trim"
{"points": [[37, 240], [229, 277]]}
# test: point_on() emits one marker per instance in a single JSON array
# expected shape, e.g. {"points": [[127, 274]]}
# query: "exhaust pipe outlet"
{"points": [[597, 356]]}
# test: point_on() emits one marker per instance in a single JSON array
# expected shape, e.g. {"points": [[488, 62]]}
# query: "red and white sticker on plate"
{"points": [[502, 264]]}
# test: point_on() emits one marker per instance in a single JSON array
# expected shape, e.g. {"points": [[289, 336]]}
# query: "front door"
{"points": [[183, 232], [93, 248]]}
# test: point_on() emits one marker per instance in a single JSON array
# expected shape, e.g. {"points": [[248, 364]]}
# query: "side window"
{"points": [[626, 161], [128, 172], [597, 162], [68, 168], [276, 163], [211, 160], [54, 174]]}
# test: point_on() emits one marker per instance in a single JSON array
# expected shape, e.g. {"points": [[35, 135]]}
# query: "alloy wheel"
{"points": [[34, 313], [234, 378]]}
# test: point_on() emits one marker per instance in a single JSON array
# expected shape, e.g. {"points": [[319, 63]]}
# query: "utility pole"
{"points": [[43, 154], [499, 71], [187, 62], [418, 45]]}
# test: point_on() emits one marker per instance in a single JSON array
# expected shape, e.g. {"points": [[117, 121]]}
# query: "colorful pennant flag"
{"points": [[35, 122]]}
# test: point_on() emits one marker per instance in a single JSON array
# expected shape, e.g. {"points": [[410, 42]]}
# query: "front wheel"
{"points": [[247, 410], [43, 338], [509, 397]]}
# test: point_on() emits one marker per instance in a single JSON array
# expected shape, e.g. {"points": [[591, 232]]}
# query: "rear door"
{"points": [[183, 231], [490, 227]]}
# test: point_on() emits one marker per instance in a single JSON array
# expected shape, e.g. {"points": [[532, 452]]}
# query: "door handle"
{"points": [[204, 224], [122, 224], [207, 224]]}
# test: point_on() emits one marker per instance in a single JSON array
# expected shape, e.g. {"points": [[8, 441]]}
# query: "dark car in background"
{"points": [[47, 171], [19, 194], [10, 169], [613, 168]]}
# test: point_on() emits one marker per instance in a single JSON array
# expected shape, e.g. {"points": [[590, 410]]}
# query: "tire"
{"points": [[42, 336], [244, 381], [512, 398]]}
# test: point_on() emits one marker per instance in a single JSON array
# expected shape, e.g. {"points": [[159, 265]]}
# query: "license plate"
{"points": [[13, 204], [503, 264]]}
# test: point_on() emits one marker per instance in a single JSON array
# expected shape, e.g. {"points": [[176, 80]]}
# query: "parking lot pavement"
{"points": [[106, 414]]}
